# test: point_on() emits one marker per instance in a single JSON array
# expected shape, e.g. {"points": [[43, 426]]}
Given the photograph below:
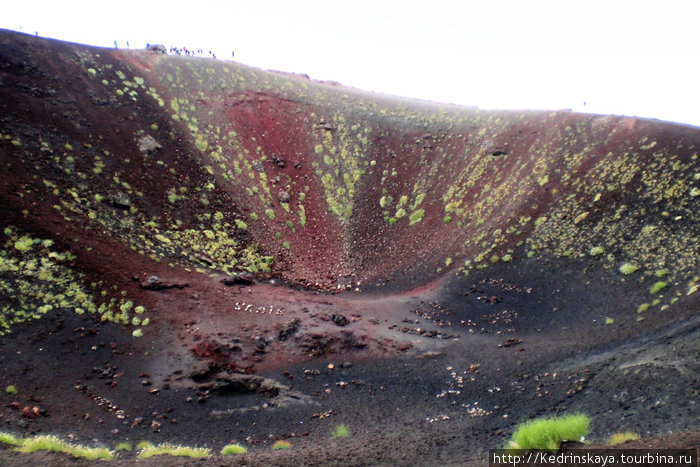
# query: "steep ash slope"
{"points": [[297, 168]]}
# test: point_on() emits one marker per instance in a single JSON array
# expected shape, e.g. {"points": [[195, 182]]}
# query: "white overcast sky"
{"points": [[625, 57]]}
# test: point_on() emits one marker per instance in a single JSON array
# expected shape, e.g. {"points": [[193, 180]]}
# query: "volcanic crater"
{"points": [[199, 252]]}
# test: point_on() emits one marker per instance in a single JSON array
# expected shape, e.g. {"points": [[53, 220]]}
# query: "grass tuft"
{"points": [[7, 438], [233, 449], [11, 390], [619, 438], [548, 433], [143, 445], [55, 444], [341, 431], [281, 445], [123, 446], [172, 450]]}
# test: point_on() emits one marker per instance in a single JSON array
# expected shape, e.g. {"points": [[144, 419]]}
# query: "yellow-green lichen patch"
{"points": [[416, 216], [36, 280], [343, 150], [213, 247], [628, 268], [597, 250]]}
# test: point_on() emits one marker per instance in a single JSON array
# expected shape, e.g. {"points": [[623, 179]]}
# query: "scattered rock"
{"points": [[429, 355], [283, 197], [30, 412], [203, 258], [326, 414], [281, 163], [244, 383], [148, 145], [289, 328], [260, 343], [119, 200], [241, 278], [95, 99], [404, 346], [156, 283], [511, 341], [340, 320]]}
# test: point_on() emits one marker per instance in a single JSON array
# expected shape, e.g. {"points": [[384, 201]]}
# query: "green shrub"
{"points": [[11, 390], [549, 432], [233, 449], [341, 431], [619, 438]]}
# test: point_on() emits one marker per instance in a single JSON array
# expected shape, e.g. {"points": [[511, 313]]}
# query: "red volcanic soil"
{"points": [[201, 253]]}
